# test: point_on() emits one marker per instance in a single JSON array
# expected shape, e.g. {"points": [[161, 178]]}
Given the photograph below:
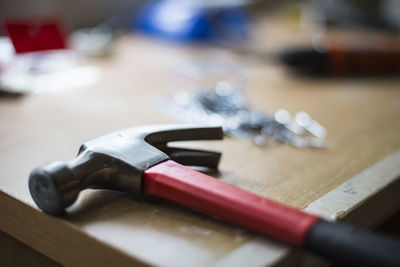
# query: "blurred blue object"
{"points": [[181, 21]]}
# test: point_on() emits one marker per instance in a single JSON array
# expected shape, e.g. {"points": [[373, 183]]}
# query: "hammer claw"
{"points": [[184, 133], [193, 157]]}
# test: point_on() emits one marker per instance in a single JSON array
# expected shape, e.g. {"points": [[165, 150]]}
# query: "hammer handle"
{"points": [[183, 185], [341, 243]]}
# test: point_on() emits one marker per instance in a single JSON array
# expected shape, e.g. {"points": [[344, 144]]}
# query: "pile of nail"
{"points": [[226, 105]]}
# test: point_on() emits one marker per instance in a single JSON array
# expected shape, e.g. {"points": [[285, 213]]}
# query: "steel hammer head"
{"points": [[117, 161]]}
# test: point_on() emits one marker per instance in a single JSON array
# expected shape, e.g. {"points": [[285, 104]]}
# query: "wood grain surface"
{"points": [[104, 227]]}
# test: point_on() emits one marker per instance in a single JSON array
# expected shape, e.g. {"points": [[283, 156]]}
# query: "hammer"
{"points": [[139, 160]]}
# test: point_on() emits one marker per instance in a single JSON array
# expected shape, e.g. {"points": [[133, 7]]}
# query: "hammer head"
{"points": [[117, 161]]}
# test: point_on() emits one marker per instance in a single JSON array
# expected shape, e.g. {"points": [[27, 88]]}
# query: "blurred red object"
{"points": [[36, 34]]}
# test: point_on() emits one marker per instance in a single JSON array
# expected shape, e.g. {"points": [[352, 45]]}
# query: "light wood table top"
{"points": [[106, 227]]}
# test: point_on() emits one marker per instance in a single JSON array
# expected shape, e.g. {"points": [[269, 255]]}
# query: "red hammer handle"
{"points": [[183, 185]]}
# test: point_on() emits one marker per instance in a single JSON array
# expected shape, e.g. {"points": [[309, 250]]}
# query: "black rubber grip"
{"points": [[350, 246]]}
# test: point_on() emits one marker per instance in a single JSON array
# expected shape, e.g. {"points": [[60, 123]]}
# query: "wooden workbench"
{"points": [[355, 178]]}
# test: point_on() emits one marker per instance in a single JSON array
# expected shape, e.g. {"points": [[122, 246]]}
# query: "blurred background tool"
{"points": [[36, 34], [40, 58], [343, 62], [220, 22]]}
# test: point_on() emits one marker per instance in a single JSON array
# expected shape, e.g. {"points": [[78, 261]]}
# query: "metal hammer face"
{"points": [[117, 161]]}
